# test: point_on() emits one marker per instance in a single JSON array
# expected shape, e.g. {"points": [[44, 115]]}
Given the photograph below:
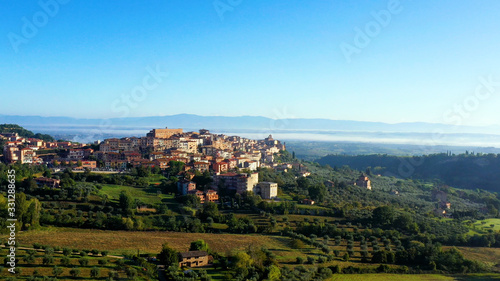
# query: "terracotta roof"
{"points": [[195, 192], [191, 254], [43, 179], [228, 175]]}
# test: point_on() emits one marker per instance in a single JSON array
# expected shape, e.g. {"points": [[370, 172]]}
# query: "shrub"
{"points": [[29, 258], [131, 272], [95, 272], [57, 271], [300, 260], [383, 268], [47, 260], [336, 269], [74, 272], [66, 251], [113, 274], [325, 273], [297, 244], [83, 261], [65, 261]]}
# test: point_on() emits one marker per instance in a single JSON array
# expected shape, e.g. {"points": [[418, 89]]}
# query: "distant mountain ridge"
{"points": [[246, 122]]}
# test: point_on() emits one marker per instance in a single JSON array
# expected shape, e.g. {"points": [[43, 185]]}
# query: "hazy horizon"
{"points": [[382, 61]]}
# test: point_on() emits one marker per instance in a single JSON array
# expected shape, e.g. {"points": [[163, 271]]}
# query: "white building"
{"points": [[268, 190]]}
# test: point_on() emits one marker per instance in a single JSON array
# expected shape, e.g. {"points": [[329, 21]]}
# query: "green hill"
{"points": [[467, 170], [14, 128]]}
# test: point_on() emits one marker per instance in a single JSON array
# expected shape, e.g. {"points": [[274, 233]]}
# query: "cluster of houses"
{"points": [[443, 206], [24, 150], [201, 151], [237, 182], [47, 182], [221, 155]]}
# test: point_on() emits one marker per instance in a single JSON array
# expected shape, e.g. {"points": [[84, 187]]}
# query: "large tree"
{"points": [[199, 245], [317, 192], [32, 218], [126, 202], [168, 256], [202, 180], [384, 215], [210, 210], [175, 167]]}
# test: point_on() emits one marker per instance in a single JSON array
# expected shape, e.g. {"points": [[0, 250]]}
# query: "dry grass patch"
{"points": [[118, 242], [489, 256]]}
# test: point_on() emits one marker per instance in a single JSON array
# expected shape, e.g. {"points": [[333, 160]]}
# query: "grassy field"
{"points": [[126, 242], [155, 179], [489, 256], [28, 269], [119, 242], [485, 225], [285, 197], [147, 195]]}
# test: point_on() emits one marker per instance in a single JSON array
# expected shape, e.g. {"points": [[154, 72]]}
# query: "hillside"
{"points": [[22, 132], [464, 170], [394, 226]]}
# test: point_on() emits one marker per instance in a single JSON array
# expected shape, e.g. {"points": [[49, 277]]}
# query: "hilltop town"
{"points": [[232, 161], [230, 199]]}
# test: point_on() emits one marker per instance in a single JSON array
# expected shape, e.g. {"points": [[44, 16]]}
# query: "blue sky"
{"points": [[279, 59]]}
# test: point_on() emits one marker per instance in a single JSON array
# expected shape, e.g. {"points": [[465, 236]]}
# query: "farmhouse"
{"points": [[52, 183], [268, 190], [193, 259], [308, 202], [364, 181]]}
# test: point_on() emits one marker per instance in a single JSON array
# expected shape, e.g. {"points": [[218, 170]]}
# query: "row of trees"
{"points": [[466, 170], [27, 212], [252, 264]]}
